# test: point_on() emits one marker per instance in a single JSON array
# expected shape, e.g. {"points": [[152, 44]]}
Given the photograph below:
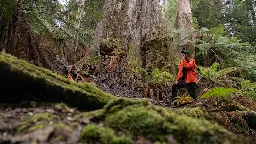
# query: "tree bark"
{"points": [[131, 22], [251, 5], [184, 23]]}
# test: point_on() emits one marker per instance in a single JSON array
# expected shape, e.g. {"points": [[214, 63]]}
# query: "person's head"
{"points": [[185, 54]]}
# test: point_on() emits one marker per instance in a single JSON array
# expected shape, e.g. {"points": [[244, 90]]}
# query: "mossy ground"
{"points": [[139, 118], [94, 134]]}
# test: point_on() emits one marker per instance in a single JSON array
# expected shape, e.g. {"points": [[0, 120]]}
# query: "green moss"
{"points": [[193, 112], [27, 122], [90, 114], [62, 126], [140, 118], [37, 127], [32, 80], [40, 117], [94, 134]]}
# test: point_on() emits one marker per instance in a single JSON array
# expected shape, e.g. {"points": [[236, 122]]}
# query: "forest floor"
{"points": [[57, 123], [29, 122]]}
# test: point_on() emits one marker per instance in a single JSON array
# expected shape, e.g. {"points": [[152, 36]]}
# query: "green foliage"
{"points": [[208, 12], [230, 51], [71, 22], [161, 76], [248, 89], [93, 134], [220, 92], [213, 74], [236, 15], [242, 24], [7, 10]]}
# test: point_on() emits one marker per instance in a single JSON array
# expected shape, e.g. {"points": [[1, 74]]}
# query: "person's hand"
{"points": [[176, 82]]}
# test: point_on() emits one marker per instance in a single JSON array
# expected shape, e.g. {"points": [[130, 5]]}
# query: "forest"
{"points": [[107, 71]]}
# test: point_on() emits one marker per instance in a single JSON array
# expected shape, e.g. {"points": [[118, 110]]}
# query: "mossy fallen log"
{"points": [[20, 80]]}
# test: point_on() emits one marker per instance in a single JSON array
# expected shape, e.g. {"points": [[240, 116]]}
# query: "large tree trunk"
{"points": [[184, 24], [137, 29], [131, 22]]}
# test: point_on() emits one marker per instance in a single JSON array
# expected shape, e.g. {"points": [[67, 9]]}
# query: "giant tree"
{"points": [[131, 22]]}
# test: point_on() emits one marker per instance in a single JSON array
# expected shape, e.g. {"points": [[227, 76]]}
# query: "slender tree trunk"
{"points": [[251, 5], [184, 23], [78, 25]]}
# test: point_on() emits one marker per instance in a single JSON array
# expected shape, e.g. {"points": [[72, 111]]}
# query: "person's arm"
{"points": [[189, 65]]}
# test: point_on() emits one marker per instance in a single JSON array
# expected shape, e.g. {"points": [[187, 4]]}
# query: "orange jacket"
{"points": [[191, 70]]}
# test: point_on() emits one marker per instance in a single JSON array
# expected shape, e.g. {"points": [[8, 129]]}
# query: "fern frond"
{"points": [[248, 89], [225, 71], [204, 71], [220, 92], [215, 66]]}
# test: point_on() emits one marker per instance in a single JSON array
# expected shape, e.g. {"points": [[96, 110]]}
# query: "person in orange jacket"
{"points": [[186, 76]]}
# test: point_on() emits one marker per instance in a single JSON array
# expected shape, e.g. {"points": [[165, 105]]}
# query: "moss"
{"points": [[29, 79], [140, 118], [30, 120], [94, 134], [193, 112], [62, 126], [62, 107], [37, 127], [40, 117], [90, 114]]}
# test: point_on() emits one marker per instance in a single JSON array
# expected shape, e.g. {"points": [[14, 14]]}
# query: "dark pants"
{"points": [[191, 88]]}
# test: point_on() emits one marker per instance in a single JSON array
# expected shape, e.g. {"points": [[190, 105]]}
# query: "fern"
{"points": [[215, 66], [220, 92], [248, 89], [224, 72], [211, 73], [230, 50]]}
